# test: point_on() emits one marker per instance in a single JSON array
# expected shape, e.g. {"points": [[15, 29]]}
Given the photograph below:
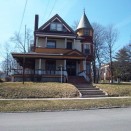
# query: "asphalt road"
{"points": [[90, 120]]}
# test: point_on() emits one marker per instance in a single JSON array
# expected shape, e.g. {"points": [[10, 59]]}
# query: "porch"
{"points": [[46, 66]]}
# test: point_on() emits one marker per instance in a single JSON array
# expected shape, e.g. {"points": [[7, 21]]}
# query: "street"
{"points": [[117, 119]]}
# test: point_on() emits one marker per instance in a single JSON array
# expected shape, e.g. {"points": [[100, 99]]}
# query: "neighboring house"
{"points": [[2, 75], [58, 52], [105, 73]]}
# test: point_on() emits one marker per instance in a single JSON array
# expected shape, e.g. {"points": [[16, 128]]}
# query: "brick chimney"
{"points": [[35, 29], [36, 22]]}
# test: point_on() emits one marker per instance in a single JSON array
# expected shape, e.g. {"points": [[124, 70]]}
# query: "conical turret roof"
{"points": [[84, 23]]}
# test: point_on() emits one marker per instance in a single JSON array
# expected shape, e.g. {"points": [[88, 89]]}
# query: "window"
{"points": [[69, 45], [53, 26], [86, 32], [51, 44], [59, 27], [86, 49], [56, 27]]}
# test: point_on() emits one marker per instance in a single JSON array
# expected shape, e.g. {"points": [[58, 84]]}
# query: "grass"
{"points": [[122, 89], [13, 90], [52, 105]]}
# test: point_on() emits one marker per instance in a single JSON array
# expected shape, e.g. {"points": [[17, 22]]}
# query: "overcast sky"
{"points": [[104, 12]]}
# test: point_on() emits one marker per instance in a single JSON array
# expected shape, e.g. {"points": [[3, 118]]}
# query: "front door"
{"points": [[71, 67], [50, 66]]}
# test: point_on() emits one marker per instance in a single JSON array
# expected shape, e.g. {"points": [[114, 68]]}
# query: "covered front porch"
{"points": [[49, 67], [49, 70]]}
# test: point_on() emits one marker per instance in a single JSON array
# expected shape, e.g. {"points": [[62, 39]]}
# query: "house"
{"points": [[58, 52], [105, 73]]}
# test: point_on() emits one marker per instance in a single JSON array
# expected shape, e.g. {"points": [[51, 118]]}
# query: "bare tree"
{"points": [[8, 61], [75, 25], [99, 46], [21, 41], [110, 38]]}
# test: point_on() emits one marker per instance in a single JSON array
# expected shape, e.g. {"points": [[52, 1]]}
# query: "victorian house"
{"points": [[58, 52]]}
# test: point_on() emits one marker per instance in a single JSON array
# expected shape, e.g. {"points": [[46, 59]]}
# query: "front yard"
{"points": [[17, 90], [122, 89]]}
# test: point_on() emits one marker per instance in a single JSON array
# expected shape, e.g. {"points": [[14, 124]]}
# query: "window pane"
{"points": [[51, 44], [59, 27], [87, 49], [53, 26], [69, 45]]}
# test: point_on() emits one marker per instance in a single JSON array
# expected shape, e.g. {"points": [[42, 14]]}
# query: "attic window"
{"points": [[55, 26]]}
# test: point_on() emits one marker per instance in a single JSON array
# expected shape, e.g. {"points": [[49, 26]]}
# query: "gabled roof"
{"points": [[84, 23], [59, 19]]}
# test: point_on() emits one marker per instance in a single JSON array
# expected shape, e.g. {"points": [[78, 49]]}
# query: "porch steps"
{"points": [[86, 89], [77, 80]]}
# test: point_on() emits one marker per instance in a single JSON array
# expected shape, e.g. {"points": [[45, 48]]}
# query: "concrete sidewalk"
{"points": [[41, 99]]}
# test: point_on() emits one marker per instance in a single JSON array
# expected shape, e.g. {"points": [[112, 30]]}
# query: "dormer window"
{"points": [[56, 26]]}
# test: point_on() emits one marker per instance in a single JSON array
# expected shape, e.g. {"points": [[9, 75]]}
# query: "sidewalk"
{"points": [[41, 99]]}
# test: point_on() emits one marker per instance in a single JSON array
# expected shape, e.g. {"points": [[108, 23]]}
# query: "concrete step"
{"points": [[92, 92], [89, 96], [87, 88]]}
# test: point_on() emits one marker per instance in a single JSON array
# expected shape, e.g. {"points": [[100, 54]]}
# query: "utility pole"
{"points": [[7, 65], [24, 57]]}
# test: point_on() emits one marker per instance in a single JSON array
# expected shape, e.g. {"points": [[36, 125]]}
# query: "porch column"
{"points": [[74, 43], [65, 43], [39, 66], [46, 41], [84, 64], [36, 41], [64, 64]]}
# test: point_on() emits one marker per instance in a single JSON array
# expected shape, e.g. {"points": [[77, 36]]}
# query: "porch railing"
{"points": [[39, 72]]}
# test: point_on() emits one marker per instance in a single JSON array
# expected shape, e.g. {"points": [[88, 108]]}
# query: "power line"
{"points": [[22, 16], [46, 8], [52, 9]]}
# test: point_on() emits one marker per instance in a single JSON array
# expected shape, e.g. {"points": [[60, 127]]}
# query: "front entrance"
{"points": [[71, 67], [50, 66]]}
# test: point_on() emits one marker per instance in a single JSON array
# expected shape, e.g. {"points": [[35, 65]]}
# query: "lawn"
{"points": [[122, 89], [58, 105], [13, 90]]}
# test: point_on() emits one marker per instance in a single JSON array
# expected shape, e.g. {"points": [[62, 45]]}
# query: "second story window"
{"points": [[69, 45], [55, 27], [51, 44], [86, 49]]}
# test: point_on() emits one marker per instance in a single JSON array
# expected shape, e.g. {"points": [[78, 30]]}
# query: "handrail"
{"points": [[83, 73]]}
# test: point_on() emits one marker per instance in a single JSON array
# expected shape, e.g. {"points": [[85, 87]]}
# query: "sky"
{"points": [[104, 12]]}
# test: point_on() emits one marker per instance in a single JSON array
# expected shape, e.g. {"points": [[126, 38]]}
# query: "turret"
{"points": [[84, 27], [85, 32]]}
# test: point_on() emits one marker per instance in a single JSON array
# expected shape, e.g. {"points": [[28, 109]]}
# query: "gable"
{"points": [[58, 25], [74, 53]]}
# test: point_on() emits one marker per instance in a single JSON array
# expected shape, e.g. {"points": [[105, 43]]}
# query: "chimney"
{"points": [[36, 22]]}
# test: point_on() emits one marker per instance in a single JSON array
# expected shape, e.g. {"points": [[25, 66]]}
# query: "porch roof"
{"points": [[44, 53], [51, 53]]}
